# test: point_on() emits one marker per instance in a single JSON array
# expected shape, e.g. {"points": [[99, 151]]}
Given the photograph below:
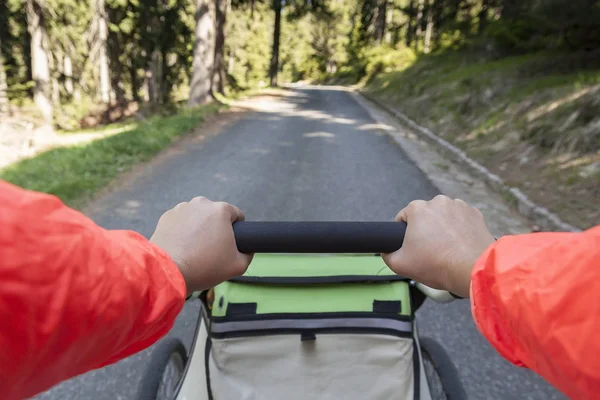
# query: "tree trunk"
{"points": [[230, 62], [77, 90], [380, 20], [4, 22], [4, 36], [103, 57], [203, 54], [39, 58], [159, 73], [114, 48], [428, 29], [146, 86], [455, 6], [512, 9], [438, 15], [274, 67], [116, 69], [166, 86], [68, 73], [54, 65], [154, 78], [3, 86], [77, 94], [389, 21], [483, 16], [410, 23], [25, 49], [55, 91], [135, 81], [218, 76], [419, 21]]}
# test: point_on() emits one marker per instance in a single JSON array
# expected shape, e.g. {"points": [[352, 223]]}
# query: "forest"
{"points": [[515, 83], [73, 62]]}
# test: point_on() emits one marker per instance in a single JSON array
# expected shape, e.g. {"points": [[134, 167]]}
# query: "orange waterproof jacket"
{"points": [[536, 299], [74, 297]]}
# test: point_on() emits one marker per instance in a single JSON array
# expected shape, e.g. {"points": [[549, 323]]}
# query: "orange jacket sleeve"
{"points": [[536, 298], [73, 296]]}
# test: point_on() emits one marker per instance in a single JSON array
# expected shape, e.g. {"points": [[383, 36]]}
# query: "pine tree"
{"points": [[3, 85], [39, 57], [102, 36], [218, 76], [203, 54], [274, 66]]}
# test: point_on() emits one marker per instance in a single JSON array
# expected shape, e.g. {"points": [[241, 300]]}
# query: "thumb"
{"points": [[243, 262], [398, 262]]}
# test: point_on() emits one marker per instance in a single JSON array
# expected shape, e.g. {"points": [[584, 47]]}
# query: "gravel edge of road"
{"points": [[541, 216]]}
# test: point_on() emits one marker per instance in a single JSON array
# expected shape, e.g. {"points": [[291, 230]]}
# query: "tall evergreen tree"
{"points": [[274, 66], [3, 85], [203, 54], [102, 37], [218, 76], [36, 22]]}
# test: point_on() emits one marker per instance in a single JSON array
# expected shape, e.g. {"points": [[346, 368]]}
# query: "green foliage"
{"points": [[572, 25], [75, 173], [526, 118], [71, 114], [553, 111], [248, 45], [139, 29], [19, 93], [297, 61], [385, 59], [15, 48], [322, 40]]}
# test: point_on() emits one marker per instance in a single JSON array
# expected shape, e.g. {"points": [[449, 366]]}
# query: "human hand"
{"points": [[198, 235], [444, 238]]}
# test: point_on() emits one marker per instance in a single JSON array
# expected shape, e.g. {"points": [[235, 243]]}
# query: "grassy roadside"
{"points": [[534, 120], [75, 173]]}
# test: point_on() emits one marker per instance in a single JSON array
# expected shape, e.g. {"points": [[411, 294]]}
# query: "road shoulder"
{"points": [[450, 178], [212, 126]]}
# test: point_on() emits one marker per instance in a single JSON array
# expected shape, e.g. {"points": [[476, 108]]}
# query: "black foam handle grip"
{"points": [[319, 237]]}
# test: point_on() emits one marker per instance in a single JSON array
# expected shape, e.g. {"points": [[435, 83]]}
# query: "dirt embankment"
{"points": [[533, 120]]}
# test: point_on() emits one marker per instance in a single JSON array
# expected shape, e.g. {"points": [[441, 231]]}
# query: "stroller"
{"points": [[318, 316]]}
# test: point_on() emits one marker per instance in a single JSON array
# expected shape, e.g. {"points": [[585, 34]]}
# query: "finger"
{"points": [[440, 198], [247, 259], [396, 261], [387, 258], [244, 261], [179, 205], [199, 199], [461, 202], [237, 215], [232, 212], [402, 215]]}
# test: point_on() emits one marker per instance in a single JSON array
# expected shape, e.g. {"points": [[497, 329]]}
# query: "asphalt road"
{"points": [[315, 155]]}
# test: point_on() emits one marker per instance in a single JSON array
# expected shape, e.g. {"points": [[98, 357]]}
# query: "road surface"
{"points": [[315, 154]]}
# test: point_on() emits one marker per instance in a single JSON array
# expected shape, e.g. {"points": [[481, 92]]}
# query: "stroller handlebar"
{"points": [[319, 237]]}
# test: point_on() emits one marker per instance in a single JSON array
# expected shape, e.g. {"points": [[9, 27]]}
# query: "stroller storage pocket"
{"points": [[312, 337]]}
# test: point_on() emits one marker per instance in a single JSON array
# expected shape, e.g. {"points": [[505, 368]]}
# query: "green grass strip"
{"points": [[75, 173]]}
